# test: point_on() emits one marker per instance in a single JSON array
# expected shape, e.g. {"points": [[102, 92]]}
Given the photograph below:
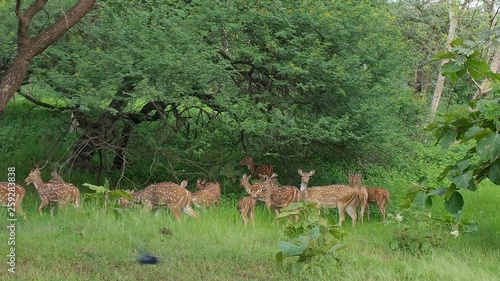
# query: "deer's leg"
{"points": [[351, 210], [19, 209], [341, 208], [252, 217], [177, 212], [381, 207], [44, 203]]}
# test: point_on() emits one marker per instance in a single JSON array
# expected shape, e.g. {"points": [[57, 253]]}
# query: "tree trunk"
{"points": [[28, 48], [452, 8], [495, 59]]}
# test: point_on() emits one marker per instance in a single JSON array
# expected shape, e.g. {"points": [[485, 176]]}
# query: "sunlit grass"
{"points": [[90, 244]]}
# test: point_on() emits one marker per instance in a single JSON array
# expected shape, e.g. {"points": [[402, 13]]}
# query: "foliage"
{"points": [[106, 196], [313, 237], [476, 123], [416, 230], [266, 78]]}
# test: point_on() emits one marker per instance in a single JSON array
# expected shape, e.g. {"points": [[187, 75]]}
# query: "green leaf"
{"points": [[455, 203], [280, 257], [462, 181], [488, 148], [96, 188], [451, 67], [494, 172], [119, 193], [448, 138]]}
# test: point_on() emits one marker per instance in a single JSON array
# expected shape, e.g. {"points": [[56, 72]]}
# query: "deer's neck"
{"points": [[303, 186], [38, 183], [252, 167]]}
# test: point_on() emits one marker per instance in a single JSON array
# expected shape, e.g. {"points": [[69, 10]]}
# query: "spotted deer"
{"points": [[53, 193], [246, 206], [208, 193], [257, 170], [355, 182], [376, 195], [14, 191], [175, 196], [264, 187], [282, 196], [342, 197], [136, 198]]}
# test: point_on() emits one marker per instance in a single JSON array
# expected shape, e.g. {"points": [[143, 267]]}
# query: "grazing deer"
{"points": [[257, 170], [330, 196], [208, 193], [376, 195], [263, 186], [246, 206], [175, 196], [355, 182], [136, 198], [17, 192], [52, 193]]}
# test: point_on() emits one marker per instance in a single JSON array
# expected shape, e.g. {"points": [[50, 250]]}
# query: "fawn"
{"points": [[355, 182], [208, 193], [53, 193]]}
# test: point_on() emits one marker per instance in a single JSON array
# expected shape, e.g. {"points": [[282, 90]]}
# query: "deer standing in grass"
{"points": [[246, 206], [281, 196], [355, 182], [208, 193], [257, 170], [53, 193], [376, 195], [342, 197], [14, 191], [175, 196]]}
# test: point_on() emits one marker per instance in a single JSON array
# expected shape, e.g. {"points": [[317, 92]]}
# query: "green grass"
{"points": [[89, 244]]}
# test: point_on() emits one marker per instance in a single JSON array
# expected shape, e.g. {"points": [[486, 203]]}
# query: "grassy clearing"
{"points": [[89, 244]]}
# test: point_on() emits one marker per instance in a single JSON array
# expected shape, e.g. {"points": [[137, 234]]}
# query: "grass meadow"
{"points": [[91, 244]]}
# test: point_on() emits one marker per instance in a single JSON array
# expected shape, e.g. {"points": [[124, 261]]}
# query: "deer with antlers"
{"points": [[175, 196], [14, 191], [342, 197], [246, 206], [53, 193], [208, 193], [355, 182], [375, 195], [257, 170]]}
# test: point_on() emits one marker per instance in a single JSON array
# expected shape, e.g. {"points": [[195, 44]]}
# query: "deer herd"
{"points": [[346, 198]]}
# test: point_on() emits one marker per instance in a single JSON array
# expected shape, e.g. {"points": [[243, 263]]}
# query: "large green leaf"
{"points": [[488, 148], [455, 203], [462, 180], [448, 138], [494, 172]]}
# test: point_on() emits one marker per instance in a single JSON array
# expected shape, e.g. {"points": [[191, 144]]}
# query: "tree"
{"points": [[29, 46], [476, 123]]}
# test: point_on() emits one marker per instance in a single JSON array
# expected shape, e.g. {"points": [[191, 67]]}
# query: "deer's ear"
{"points": [[312, 172], [300, 172]]}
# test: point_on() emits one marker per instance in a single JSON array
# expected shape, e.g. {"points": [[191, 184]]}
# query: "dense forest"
{"points": [[146, 91]]}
